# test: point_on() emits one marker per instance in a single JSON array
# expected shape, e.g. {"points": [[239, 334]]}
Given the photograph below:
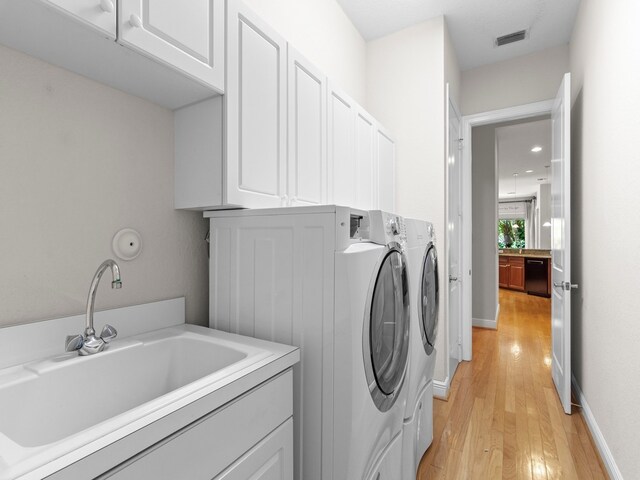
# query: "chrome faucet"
{"points": [[88, 343]]}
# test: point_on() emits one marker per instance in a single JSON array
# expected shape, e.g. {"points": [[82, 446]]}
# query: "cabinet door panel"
{"points": [[271, 459], [307, 159], [95, 13], [342, 163], [386, 158], [365, 169], [186, 35], [516, 277], [503, 277], [256, 101]]}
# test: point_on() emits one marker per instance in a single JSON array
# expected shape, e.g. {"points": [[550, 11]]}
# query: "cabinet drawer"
{"points": [[504, 260], [271, 459], [516, 260], [205, 448]]}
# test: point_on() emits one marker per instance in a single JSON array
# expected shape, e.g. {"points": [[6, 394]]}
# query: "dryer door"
{"points": [[386, 328], [428, 302]]}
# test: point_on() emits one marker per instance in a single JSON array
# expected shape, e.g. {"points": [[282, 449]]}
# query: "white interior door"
{"points": [[561, 243], [454, 232]]}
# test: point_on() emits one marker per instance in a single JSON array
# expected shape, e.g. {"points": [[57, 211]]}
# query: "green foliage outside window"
{"points": [[511, 233]]}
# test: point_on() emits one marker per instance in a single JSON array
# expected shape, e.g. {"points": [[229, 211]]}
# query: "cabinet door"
{"points": [[256, 111], [516, 277], [99, 14], [307, 156], [341, 143], [188, 36], [365, 161], [503, 277], [386, 180], [271, 459]]}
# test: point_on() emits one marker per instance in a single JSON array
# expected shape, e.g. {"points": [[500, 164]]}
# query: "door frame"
{"points": [[445, 283], [468, 122]]}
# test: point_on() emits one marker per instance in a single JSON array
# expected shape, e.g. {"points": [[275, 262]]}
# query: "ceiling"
{"points": [[514, 144], [473, 24]]}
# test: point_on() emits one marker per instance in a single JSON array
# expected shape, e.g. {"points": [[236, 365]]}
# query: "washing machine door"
{"points": [[386, 328], [428, 301]]}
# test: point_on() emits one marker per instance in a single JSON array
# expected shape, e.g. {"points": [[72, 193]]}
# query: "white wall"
{"points": [[78, 162], [484, 212], [527, 79], [406, 93], [605, 64], [322, 32]]}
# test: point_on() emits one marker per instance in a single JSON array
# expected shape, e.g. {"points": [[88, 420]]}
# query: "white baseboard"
{"points": [[598, 438], [484, 323], [441, 389]]}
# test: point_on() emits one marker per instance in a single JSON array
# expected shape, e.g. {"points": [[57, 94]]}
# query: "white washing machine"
{"points": [[423, 276], [334, 282]]}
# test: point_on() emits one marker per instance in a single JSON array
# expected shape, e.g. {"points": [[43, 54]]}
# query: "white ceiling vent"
{"points": [[511, 37]]}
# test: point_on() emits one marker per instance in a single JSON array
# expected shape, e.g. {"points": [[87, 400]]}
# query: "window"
{"points": [[511, 233]]}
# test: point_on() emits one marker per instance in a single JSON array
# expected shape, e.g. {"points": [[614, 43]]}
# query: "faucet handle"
{"points": [[73, 343], [108, 333]]}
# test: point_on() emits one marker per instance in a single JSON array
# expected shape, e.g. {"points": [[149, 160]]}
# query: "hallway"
{"points": [[503, 418]]}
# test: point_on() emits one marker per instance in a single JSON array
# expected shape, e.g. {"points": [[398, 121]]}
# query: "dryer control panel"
{"points": [[385, 227]]}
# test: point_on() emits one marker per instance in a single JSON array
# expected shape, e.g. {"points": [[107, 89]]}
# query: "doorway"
{"points": [[560, 227]]}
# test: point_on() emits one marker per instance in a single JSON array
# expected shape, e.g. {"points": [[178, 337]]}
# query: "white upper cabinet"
{"points": [[307, 155], [341, 144], [256, 111], [386, 158], [99, 14], [188, 35], [365, 161]]}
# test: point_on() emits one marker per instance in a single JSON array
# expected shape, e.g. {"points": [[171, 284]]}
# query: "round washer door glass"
{"points": [[429, 299], [389, 328]]}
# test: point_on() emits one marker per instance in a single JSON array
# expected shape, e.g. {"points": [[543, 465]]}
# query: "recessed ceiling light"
{"points": [[536, 149], [541, 179], [529, 171], [511, 193]]}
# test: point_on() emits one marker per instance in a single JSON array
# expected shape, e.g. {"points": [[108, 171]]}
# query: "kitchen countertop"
{"points": [[529, 253]]}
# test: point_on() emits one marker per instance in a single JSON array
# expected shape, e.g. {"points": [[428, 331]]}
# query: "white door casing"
{"points": [[454, 234], [188, 36], [256, 109], [307, 156], [98, 14], [561, 243]]}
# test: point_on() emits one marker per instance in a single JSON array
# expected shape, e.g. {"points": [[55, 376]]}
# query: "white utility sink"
{"points": [[52, 407]]}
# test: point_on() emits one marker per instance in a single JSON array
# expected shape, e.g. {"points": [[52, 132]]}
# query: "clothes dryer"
{"points": [[423, 276], [333, 281]]}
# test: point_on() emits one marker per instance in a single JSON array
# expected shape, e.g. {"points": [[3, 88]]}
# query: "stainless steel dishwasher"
{"points": [[536, 276]]}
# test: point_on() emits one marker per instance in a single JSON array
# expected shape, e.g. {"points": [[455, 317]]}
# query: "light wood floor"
{"points": [[503, 418]]}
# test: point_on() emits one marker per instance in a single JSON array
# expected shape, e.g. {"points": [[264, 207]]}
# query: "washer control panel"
{"points": [[385, 227]]}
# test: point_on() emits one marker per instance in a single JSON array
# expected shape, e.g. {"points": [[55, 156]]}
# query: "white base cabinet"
{"points": [[248, 438]]}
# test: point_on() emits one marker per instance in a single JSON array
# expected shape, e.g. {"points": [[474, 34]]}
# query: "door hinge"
{"points": [[460, 143]]}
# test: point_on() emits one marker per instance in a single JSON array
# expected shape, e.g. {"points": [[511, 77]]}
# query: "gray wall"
{"points": [[484, 210], [605, 330], [78, 162]]}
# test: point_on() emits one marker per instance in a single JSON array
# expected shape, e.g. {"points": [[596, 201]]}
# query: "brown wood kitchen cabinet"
{"points": [[511, 272]]}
